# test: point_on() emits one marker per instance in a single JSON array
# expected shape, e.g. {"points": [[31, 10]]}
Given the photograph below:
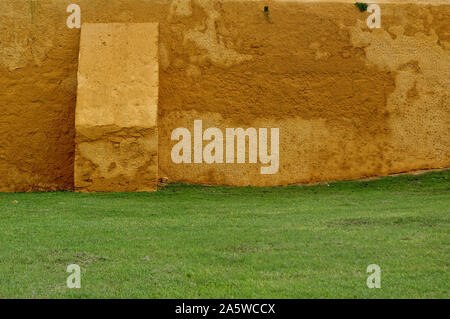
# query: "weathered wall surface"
{"points": [[116, 141], [349, 102]]}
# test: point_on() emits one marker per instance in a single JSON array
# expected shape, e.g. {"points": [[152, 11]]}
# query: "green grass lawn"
{"points": [[221, 242]]}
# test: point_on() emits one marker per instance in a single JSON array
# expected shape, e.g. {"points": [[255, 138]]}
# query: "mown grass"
{"points": [[220, 242]]}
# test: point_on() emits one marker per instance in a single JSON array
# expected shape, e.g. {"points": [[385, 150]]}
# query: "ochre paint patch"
{"points": [[116, 136]]}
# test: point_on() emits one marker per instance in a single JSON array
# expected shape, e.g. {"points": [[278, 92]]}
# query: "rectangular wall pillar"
{"points": [[116, 113]]}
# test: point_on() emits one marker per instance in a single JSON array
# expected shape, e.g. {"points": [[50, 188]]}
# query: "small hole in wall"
{"points": [[266, 13]]}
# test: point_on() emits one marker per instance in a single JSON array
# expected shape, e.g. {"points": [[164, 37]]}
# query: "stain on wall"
{"points": [[350, 102]]}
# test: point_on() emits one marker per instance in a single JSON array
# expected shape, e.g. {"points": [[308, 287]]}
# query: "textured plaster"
{"points": [[116, 140], [350, 102]]}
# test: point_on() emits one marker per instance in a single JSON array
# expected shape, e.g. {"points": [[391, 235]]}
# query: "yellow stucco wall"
{"points": [[349, 102]]}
